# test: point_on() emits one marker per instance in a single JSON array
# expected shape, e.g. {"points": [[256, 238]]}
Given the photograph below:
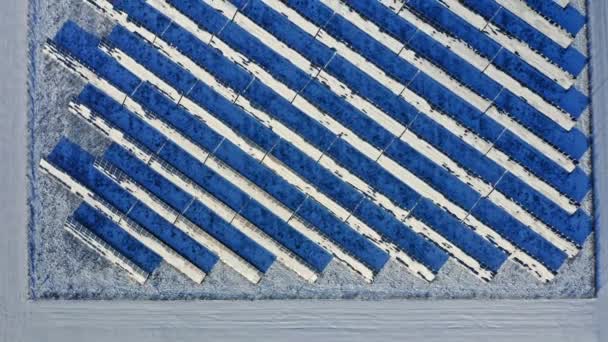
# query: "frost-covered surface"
{"points": [[62, 267]]}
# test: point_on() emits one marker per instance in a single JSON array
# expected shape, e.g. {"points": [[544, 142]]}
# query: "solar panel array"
{"points": [[250, 132]]}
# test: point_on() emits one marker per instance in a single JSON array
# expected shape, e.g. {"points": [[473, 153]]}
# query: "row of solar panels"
{"points": [[211, 81]]}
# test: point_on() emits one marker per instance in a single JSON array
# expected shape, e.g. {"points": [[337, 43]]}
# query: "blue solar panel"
{"points": [[567, 17], [572, 142], [79, 164], [530, 241], [191, 208], [83, 46], [248, 208], [120, 240], [173, 237]]}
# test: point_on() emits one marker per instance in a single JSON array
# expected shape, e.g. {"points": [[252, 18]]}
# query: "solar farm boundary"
{"points": [[22, 320]]}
